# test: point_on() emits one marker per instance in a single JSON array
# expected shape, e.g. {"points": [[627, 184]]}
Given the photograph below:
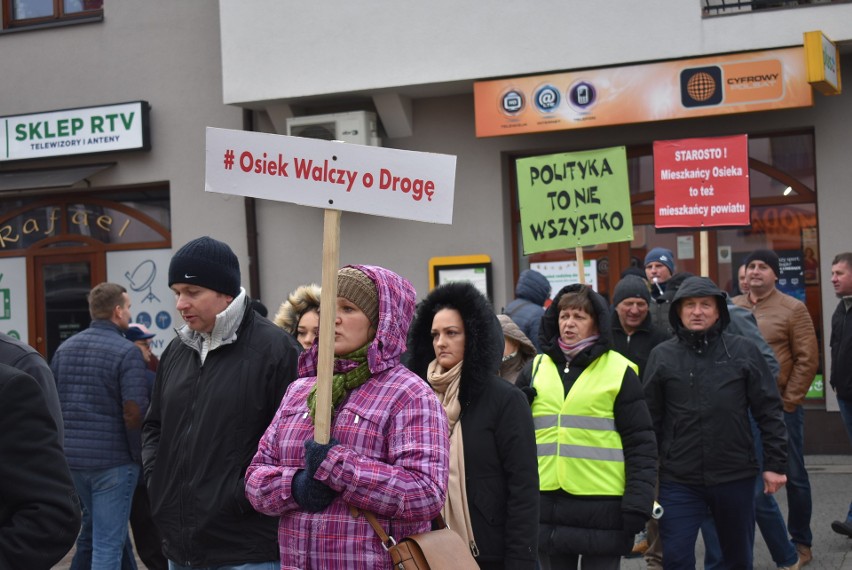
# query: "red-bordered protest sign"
{"points": [[334, 176], [701, 183]]}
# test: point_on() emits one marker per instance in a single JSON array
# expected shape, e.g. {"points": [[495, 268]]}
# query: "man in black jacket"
{"points": [[700, 387], [39, 510], [27, 359], [633, 333], [218, 386], [841, 356], [659, 268]]}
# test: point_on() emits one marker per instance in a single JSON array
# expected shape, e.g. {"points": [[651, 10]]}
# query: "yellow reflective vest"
{"points": [[579, 449]]}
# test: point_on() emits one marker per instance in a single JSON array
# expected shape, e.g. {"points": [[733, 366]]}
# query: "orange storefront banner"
{"points": [[718, 85]]}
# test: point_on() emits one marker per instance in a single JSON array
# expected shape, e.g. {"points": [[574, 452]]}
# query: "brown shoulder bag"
{"points": [[440, 549]]}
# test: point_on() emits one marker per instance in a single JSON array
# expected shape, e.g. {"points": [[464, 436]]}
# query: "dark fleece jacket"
{"points": [[598, 525], [501, 469]]}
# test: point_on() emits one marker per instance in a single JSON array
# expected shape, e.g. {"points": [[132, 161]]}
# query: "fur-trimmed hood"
{"points": [[483, 336], [300, 301]]}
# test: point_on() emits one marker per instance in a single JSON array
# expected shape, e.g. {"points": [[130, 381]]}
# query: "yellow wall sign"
{"points": [[823, 60], [475, 269]]}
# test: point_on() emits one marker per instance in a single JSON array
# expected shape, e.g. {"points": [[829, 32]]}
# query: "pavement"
{"points": [[831, 488]]}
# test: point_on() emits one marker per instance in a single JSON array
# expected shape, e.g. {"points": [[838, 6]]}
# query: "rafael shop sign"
{"points": [[325, 174], [574, 199], [701, 183]]}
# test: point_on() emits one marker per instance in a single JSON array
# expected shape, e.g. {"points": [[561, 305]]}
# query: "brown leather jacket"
{"points": [[787, 326]]}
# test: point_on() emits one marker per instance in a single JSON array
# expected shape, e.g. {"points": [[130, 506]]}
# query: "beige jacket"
{"points": [[787, 326]]}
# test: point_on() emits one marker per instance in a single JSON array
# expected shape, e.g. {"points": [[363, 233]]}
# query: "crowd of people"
{"points": [[543, 436]]}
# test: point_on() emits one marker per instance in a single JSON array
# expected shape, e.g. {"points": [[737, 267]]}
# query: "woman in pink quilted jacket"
{"points": [[389, 445]]}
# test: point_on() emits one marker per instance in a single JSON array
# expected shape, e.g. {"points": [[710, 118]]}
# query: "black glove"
{"points": [[312, 495], [530, 393], [634, 523], [315, 454]]}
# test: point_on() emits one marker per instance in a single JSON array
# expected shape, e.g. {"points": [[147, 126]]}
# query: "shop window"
{"points": [[130, 217], [783, 214], [783, 203], [724, 7], [29, 13], [783, 194]]}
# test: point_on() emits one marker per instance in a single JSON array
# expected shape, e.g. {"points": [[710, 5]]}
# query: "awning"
{"points": [[48, 177]]}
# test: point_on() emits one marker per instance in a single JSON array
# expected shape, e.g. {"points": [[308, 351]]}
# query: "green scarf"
{"points": [[343, 383]]}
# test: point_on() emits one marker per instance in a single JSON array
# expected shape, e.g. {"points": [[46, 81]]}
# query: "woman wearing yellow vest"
{"points": [[597, 455], [456, 344]]}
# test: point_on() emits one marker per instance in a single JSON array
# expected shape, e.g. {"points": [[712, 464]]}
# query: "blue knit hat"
{"points": [[661, 255], [208, 263]]}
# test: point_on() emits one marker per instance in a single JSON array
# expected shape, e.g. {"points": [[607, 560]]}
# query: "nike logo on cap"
{"points": [[188, 276]]}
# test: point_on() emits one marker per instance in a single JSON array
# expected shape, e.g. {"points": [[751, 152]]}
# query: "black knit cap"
{"points": [[767, 256], [631, 286], [206, 262]]}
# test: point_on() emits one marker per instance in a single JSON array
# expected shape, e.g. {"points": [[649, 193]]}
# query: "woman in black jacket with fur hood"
{"points": [[456, 344]]}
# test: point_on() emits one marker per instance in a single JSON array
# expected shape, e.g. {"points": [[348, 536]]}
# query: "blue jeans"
{"points": [[82, 559], [712, 549], [799, 502], [272, 565], [769, 519], [768, 514], [106, 496], [846, 414], [686, 507]]}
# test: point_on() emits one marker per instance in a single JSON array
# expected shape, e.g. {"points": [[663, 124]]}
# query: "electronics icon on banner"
{"points": [[142, 278]]}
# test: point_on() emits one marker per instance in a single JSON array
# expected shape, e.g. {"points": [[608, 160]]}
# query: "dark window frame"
{"points": [[713, 8], [59, 16]]}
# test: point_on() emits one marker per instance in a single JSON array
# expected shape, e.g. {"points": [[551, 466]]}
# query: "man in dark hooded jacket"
{"points": [[527, 308], [700, 387]]}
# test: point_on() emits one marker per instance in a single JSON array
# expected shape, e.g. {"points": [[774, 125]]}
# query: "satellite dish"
{"points": [[142, 278]]}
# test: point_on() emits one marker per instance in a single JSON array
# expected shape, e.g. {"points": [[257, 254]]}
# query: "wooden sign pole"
{"points": [[328, 314], [581, 265], [704, 249]]}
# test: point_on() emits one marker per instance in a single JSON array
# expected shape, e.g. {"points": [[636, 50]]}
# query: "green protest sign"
{"points": [[574, 199]]}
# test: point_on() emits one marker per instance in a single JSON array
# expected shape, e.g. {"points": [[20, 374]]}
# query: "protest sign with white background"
{"points": [[327, 174]]}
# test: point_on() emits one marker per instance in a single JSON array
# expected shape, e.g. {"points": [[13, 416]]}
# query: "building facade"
{"points": [[252, 66]]}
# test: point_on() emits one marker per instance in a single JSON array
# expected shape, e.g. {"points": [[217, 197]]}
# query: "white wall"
{"points": [[275, 49], [291, 236], [834, 207]]}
